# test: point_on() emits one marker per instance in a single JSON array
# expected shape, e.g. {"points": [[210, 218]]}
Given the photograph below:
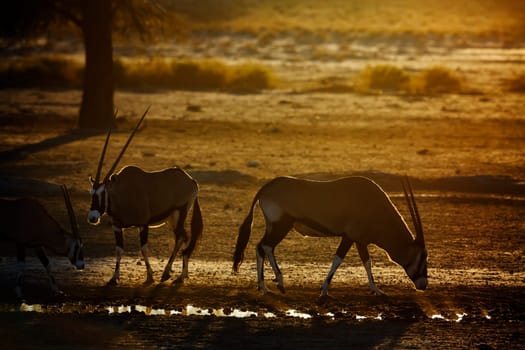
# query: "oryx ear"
{"points": [[91, 180]]}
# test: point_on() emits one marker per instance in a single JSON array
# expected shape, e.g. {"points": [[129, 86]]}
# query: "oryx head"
{"points": [[416, 268], [75, 251], [98, 192]]}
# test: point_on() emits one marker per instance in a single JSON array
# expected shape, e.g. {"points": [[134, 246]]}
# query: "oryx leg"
{"points": [[196, 227], [41, 254], [176, 222], [275, 232], [365, 258], [144, 250], [119, 250], [20, 262], [340, 254]]}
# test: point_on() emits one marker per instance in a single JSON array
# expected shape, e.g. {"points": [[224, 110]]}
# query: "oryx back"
{"points": [[27, 222], [139, 198], [355, 207]]}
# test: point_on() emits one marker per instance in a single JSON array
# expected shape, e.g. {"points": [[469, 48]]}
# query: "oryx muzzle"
{"points": [[134, 197], [354, 208]]}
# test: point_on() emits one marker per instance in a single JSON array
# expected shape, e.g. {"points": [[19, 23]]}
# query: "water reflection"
{"points": [[191, 310]]}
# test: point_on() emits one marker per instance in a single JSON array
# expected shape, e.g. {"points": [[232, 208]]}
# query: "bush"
{"points": [[47, 71], [154, 73], [250, 77], [516, 83], [382, 77], [440, 79], [193, 75]]}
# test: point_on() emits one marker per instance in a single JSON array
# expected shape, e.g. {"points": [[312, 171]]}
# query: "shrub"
{"points": [[516, 83], [153, 73], [193, 75], [250, 77], [382, 77], [440, 79], [47, 71]]}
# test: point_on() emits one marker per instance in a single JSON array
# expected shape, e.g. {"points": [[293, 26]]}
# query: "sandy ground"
{"points": [[464, 154]]}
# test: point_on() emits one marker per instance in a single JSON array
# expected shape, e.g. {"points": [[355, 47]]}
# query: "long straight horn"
{"points": [[127, 144], [71, 213], [414, 212], [101, 161]]}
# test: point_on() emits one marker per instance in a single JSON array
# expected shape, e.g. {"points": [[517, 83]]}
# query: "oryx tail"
{"points": [[244, 234], [196, 227]]}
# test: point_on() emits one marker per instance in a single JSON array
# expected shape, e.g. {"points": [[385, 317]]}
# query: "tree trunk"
{"points": [[96, 111]]}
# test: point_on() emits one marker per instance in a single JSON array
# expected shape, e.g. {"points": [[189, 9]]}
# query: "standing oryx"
{"points": [[355, 208], [26, 223], [134, 197]]}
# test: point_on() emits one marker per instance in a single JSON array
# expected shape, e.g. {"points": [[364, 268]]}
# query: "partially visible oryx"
{"points": [[26, 223], [354, 208], [137, 198]]}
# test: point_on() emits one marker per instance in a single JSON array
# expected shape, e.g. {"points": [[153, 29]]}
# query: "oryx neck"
{"points": [[397, 245]]}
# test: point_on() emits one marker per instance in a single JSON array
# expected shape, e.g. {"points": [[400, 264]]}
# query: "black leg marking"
{"points": [[119, 239], [144, 236], [344, 247], [40, 253], [363, 252]]}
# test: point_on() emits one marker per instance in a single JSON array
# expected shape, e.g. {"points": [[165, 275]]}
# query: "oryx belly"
{"points": [[306, 230]]}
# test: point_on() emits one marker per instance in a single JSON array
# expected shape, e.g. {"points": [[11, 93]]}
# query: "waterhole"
{"points": [[191, 310]]}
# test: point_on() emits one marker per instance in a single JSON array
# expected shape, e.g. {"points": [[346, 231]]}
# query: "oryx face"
{"points": [[417, 268], [76, 254], [98, 203]]}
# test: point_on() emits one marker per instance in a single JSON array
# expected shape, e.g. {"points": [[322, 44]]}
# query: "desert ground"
{"points": [[463, 152]]}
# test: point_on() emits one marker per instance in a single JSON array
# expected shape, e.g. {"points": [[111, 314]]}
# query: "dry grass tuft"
{"points": [[154, 73], [383, 77], [516, 83], [389, 78], [47, 71], [193, 75], [437, 79]]}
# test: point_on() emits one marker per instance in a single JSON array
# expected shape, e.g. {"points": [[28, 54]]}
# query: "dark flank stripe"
{"points": [[325, 232]]}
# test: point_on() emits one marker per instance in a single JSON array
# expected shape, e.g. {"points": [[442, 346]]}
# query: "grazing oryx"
{"points": [[134, 197], [27, 224], [354, 208]]}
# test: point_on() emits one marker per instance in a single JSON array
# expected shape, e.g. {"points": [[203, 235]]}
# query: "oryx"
{"points": [[26, 223], [354, 208], [137, 198]]}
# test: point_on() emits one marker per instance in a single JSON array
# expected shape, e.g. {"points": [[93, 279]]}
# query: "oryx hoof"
{"points": [[165, 277], [180, 279], [378, 292], [149, 281], [325, 298], [281, 288], [112, 282], [58, 293], [263, 290]]}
